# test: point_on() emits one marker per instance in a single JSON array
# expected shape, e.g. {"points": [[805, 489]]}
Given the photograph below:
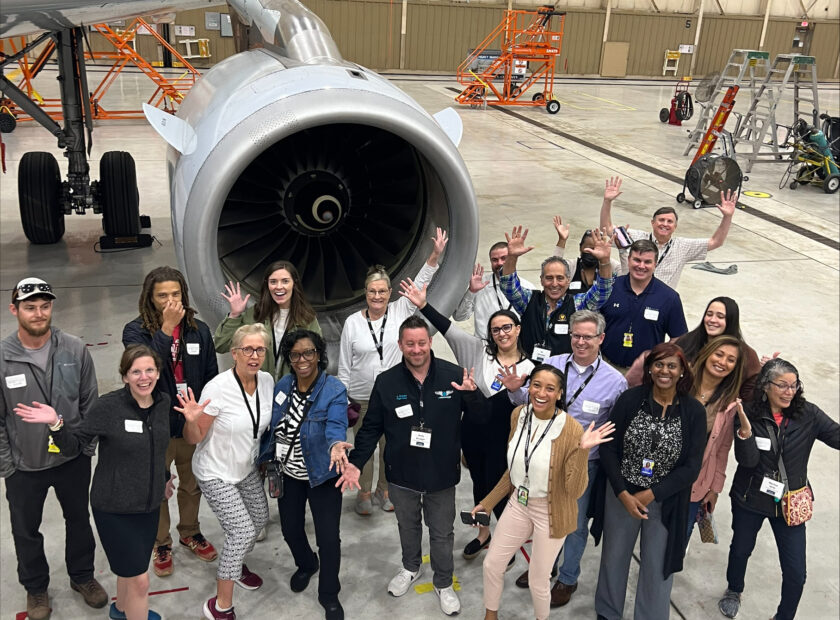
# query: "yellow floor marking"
{"points": [[621, 105], [753, 194], [423, 588]]}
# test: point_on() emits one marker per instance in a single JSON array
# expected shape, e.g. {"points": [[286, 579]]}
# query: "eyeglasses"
{"points": [[308, 355], [249, 351], [669, 365], [28, 288], [377, 293], [584, 337], [784, 387], [501, 329]]}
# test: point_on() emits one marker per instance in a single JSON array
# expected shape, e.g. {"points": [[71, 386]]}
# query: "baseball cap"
{"points": [[29, 287]]}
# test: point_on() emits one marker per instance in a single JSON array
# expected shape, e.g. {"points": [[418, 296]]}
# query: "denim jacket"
{"points": [[325, 424]]}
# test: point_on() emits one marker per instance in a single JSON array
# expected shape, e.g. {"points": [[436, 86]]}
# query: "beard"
{"points": [[36, 332]]}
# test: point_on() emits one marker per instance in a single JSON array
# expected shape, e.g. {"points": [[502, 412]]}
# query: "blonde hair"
{"points": [[254, 329], [377, 272]]}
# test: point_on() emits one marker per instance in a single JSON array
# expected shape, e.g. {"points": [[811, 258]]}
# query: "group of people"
{"points": [[572, 413]]}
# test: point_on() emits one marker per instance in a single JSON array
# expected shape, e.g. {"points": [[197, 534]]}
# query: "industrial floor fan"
{"points": [[708, 177]]}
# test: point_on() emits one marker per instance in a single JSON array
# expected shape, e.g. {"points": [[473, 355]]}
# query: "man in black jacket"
{"points": [[418, 405], [168, 325]]}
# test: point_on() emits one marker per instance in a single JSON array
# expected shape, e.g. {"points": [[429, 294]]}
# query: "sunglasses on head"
{"points": [[28, 288]]}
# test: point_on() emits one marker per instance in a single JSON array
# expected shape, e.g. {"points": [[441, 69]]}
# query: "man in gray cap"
{"points": [[39, 363]]}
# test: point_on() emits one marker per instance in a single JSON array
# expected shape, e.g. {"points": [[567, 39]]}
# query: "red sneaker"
{"points": [[249, 580], [200, 547], [163, 561], [211, 612]]}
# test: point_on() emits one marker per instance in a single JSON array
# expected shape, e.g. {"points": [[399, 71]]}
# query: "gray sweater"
{"points": [[68, 385]]}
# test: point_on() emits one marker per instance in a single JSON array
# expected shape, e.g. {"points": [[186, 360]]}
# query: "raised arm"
{"points": [[439, 240], [516, 248], [612, 190], [727, 209], [562, 235]]}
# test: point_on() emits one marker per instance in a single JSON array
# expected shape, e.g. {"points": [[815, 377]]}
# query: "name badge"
{"points": [[51, 447], [763, 443], [590, 406], [133, 426], [193, 348], [15, 381], [497, 384], [280, 398], [651, 314], [540, 355], [772, 487], [574, 286], [647, 468], [628, 340], [181, 388], [404, 412], [522, 495], [561, 328], [421, 437]]}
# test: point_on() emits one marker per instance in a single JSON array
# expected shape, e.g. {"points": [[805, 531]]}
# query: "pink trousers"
{"points": [[518, 524]]}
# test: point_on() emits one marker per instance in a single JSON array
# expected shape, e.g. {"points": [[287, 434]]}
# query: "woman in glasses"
{"points": [[130, 482], [485, 445], [227, 426], [772, 450], [721, 318], [306, 448], [660, 432], [282, 307], [369, 346]]}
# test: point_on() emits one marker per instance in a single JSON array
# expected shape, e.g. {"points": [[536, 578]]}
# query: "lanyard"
{"points": [[667, 249], [47, 395], [528, 439], [546, 316], [377, 343], [582, 385], [254, 420], [179, 349], [499, 299], [275, 346]]}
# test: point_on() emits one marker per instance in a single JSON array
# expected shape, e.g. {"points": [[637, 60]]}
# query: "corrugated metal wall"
{"points": [[649, 36], [581, 52], [721, 35]]}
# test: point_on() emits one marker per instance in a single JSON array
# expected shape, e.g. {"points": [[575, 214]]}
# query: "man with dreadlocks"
{"points": [[168, 325]]}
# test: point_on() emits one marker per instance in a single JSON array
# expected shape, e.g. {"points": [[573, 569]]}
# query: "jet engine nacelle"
{"points": [[328, 166]]}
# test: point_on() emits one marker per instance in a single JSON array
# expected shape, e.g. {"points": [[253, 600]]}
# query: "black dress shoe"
{"points": [[301, 578], [332, 609], [474, 547]]}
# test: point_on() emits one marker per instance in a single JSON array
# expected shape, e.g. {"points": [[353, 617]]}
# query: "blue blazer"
{"points": [[325, 424]]}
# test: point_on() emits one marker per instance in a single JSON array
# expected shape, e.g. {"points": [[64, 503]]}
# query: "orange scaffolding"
{"points": [[526, 42], [168, 94]]}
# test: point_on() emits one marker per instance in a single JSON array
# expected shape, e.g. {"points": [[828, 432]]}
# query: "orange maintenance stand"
{"points": [[525, 41]]}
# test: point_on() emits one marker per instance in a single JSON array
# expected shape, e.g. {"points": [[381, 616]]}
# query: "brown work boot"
{"points": [[38, 606], [561, 594], [92, 591], [522, 580]]}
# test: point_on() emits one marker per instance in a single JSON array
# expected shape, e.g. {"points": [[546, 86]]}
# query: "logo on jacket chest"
{"points": [[402, 396], [441, 394]]}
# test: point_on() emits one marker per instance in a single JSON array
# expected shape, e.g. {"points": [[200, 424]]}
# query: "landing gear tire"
{"points": [[831, 183], [664, 115], [553, 106], [118, 194], [39, 196], [680, 197], [7, 122]]}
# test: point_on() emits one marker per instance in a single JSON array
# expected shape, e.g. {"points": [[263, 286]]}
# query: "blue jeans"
{"points": [[790, 542], [576, 541]]}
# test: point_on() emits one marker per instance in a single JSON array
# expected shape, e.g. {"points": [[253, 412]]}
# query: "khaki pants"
{"points": [[366, 477], [189, 495]]}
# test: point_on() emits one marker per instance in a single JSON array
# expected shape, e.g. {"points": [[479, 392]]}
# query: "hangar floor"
{"points": [[526, 166]]}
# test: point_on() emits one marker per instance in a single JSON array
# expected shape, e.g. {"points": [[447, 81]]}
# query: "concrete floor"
{"points": [[523, 174]]}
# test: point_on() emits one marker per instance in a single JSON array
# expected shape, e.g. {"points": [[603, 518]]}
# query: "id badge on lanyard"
{"points": [[421, 437]]}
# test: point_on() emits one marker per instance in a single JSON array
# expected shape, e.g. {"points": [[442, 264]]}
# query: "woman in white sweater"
{"points": [[485, 446], [369, 346]]}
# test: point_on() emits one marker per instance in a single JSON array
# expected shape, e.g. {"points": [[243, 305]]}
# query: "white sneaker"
{"points": [[402, 582], [449, 602], [261, 534]]}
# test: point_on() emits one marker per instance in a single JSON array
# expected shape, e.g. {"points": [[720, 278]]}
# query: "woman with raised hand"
{"points": [[484, 446], [718, 371], [721, 318], [306, 450], [227, 426], [547, 457], [773, 447], [282, 307], [660, 432], [369, 346], [130, 481]]}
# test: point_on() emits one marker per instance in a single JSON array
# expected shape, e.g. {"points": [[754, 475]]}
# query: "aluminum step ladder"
{"points": [[746, 69], [758, 129]]}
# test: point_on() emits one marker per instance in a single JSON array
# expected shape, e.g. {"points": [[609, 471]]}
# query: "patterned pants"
{"points": [[242, 511]]}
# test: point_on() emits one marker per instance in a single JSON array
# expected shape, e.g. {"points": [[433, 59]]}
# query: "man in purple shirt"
{"points": [[592, 387]]}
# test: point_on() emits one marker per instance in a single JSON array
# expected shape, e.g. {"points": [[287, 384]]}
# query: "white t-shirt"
{"points": [[540, 461], [229, 450]]}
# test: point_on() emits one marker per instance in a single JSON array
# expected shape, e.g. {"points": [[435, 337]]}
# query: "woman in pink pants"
{"points": [[547, 473]]}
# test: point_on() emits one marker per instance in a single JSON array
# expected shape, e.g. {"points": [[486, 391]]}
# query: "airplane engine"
{"points": [[328, 166]]}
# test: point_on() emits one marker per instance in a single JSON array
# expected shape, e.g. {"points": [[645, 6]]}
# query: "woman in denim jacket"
{"points": [[306, 447]]}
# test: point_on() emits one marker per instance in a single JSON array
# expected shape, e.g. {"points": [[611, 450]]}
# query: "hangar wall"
{"points": [[438, 34]]}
